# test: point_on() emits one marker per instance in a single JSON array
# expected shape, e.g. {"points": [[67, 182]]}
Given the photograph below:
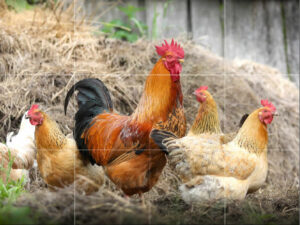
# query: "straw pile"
{"points": [[44, 51]]}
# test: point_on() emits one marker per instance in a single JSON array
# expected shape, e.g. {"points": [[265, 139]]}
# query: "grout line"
{"points": [[74, 67], [189, 20], [224, 43], [125, 150], [283, 22], [117, 74]]}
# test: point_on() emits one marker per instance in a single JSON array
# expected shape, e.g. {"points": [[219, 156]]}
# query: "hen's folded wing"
{"points": [[202, 156]]}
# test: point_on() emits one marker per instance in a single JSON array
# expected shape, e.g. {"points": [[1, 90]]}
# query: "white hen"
{"points": [[14, 174], [22, 145]]}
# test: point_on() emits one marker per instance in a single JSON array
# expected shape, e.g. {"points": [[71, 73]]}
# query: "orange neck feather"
{"points": [[207, 119], [161, 95], [253, 135]]}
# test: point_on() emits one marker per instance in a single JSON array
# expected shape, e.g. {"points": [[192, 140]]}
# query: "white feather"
{"points": [[23, 143]]}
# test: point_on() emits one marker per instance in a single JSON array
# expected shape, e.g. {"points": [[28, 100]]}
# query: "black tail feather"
{"points": [[243, 119], [90, 89], [93, 98], [159, 136]]}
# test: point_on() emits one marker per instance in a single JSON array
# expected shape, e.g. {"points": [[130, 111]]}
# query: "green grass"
{"points": [[254, 215], [9, 192], [17, 215]]}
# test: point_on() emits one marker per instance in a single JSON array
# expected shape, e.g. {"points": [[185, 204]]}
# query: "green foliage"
{"points": [[155, 16], [18, 5], [9, 191], [129, 30], [16, 215], [154, 23], [166, 6], [21, 5]]}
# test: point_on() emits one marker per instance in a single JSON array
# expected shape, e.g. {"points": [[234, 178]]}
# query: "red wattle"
{"points": [[268, 120], [174, 70]]}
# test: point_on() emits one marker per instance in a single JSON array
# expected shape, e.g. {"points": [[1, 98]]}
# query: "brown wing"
{"points": [[112, 135]]}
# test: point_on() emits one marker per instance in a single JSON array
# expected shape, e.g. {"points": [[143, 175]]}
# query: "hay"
{"points": [[43, 52]]}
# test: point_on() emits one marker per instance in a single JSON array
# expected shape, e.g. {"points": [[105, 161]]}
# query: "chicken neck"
{"points": [[207, 119], [48, 135], [161, 95], [253, 135]]}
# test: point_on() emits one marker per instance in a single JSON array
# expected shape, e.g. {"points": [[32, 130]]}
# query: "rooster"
{"points": [[212, 170], [207, 120], [58, 159], [121, 143]]}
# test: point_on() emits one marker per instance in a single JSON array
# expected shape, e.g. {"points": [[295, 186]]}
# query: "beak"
{"points": [[26, 116], [275, 114], [181, 60], [194, 93]]}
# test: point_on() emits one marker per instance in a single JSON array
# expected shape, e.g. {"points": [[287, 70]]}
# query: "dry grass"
{"points": [[43, 52]]}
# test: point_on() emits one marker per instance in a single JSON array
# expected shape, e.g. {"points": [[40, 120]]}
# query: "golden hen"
{"points": [[212, 170], [58, 158]]}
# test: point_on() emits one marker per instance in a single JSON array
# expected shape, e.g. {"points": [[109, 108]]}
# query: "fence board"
{"points": [[173, 23], [253, 30], [291, 12], [206, 24], [275, 36]]}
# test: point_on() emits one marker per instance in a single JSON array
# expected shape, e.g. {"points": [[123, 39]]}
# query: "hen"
{"points": [[23, 144], [10, 172], [21, 149], [207, 119], [58, 158], [212, 170], [121, 143]]}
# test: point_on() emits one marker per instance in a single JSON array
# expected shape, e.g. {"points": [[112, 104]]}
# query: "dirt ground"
{"points": [[44, 52]]}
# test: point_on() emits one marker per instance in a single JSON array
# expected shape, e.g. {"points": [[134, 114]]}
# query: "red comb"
{"points": [[203, 88], [266, 103], [173, 47], [33, 107]]}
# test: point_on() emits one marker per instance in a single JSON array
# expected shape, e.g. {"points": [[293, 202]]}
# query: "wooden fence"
{"points": [[265, 31]]}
